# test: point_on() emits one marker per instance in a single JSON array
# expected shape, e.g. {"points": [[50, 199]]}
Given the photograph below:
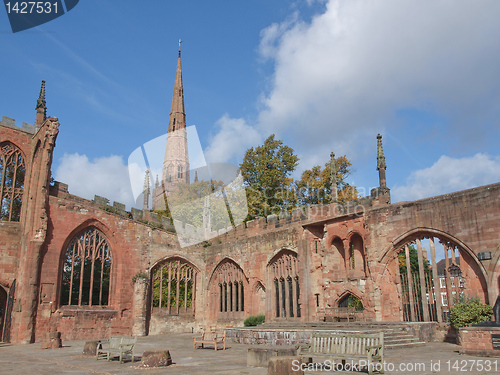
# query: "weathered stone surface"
{"points": [[284, 366], [90, 348], [259, 356], [156, 358]]}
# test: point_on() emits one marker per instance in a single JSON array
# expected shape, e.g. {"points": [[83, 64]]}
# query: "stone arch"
{"points": [[258, 298], [345, 296], [173, 286], [86, 268], [336, 259], [356, 255], [458, 273], [115, 253], [284, 291], [230, 284]]}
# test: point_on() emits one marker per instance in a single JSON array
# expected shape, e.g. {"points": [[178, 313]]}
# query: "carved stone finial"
{"points": [[381, 166], [146, 191], [333, 177], [41, 107]]}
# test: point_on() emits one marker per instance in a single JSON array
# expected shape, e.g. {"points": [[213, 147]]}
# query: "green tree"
{"points": [[266, 170], [314, 186]]}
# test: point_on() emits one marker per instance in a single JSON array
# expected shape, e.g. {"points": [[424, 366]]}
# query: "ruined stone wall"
{"points": [[129, 242], [469, 218], [10, 234]]}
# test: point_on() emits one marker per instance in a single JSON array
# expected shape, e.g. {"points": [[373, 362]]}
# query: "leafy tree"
{"points": [[413, 261], [266, 170], [314, 186]]}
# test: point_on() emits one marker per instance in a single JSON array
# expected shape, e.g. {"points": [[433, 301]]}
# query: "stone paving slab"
{"points": [[433, 358]]}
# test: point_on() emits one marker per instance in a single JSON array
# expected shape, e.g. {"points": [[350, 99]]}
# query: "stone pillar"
{"points": [[435, 277], [410, 283], [423, 294], [140, 307]]}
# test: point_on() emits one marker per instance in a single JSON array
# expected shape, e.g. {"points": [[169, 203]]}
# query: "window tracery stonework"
{"points": [[283, 272], [12, 173], [87, 270], [230, 281], [174, 286]]}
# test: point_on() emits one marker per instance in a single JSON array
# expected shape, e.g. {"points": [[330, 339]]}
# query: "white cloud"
{"points": [[448, 175], [232, 138], [105, 176], [341, 79]]}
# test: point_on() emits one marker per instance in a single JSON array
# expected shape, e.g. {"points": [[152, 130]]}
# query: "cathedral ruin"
{"points": [[90, 270]]}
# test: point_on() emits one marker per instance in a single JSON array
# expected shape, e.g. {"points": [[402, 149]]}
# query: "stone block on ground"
{"points": [[156, 358], [259, 356], [51, 340], [284, 366], [90, 348]]}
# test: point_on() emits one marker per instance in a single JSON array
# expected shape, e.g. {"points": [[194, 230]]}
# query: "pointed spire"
{"points": [[157, 182], [195, 176], [333, 177], [41, 107], [177, 115], [381, 166], [146, 191]]}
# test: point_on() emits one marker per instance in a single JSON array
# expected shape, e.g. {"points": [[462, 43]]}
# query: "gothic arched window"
{"points": [[174, 286], [179, 171], [283, 273], [86, 269], [231, 287], [12, 172]]}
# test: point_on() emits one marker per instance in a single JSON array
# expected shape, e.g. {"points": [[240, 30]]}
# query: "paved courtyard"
{"points": [[433, 358]]}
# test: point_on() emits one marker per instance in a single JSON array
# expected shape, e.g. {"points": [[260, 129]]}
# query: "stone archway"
{"points": [[431, 269], [284, 286]]}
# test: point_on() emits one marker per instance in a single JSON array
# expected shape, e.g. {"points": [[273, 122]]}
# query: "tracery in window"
{"points": [[231, 283], [173, 287], [86, 269], [12, 172]]}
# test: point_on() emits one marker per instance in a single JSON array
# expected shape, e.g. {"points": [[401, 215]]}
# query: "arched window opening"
{"points": [[86, 270], [180, 171], [230, 279], [284, 273], [174, 285], [12, 172], [350, 300], [434, 273], [357, 255]]}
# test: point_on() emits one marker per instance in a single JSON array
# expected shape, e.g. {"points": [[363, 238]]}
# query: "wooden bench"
{"points": [[337, 313], [212, 338], [116, 347], [346, 346]]}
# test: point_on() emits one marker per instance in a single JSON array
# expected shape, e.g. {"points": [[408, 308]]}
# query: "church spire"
{"points": [[41, 107], [177, 114], [381, 162], [176, 161]]}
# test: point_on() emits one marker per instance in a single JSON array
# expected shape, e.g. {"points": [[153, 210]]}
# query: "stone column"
{"points": [[435, 277], [410, 283], [140, 307], [423, 294]]}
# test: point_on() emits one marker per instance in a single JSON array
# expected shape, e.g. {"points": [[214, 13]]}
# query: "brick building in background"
{"points": [[89, 270]]}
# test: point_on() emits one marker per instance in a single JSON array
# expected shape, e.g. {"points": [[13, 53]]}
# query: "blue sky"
{"points": [[322, 75]]}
